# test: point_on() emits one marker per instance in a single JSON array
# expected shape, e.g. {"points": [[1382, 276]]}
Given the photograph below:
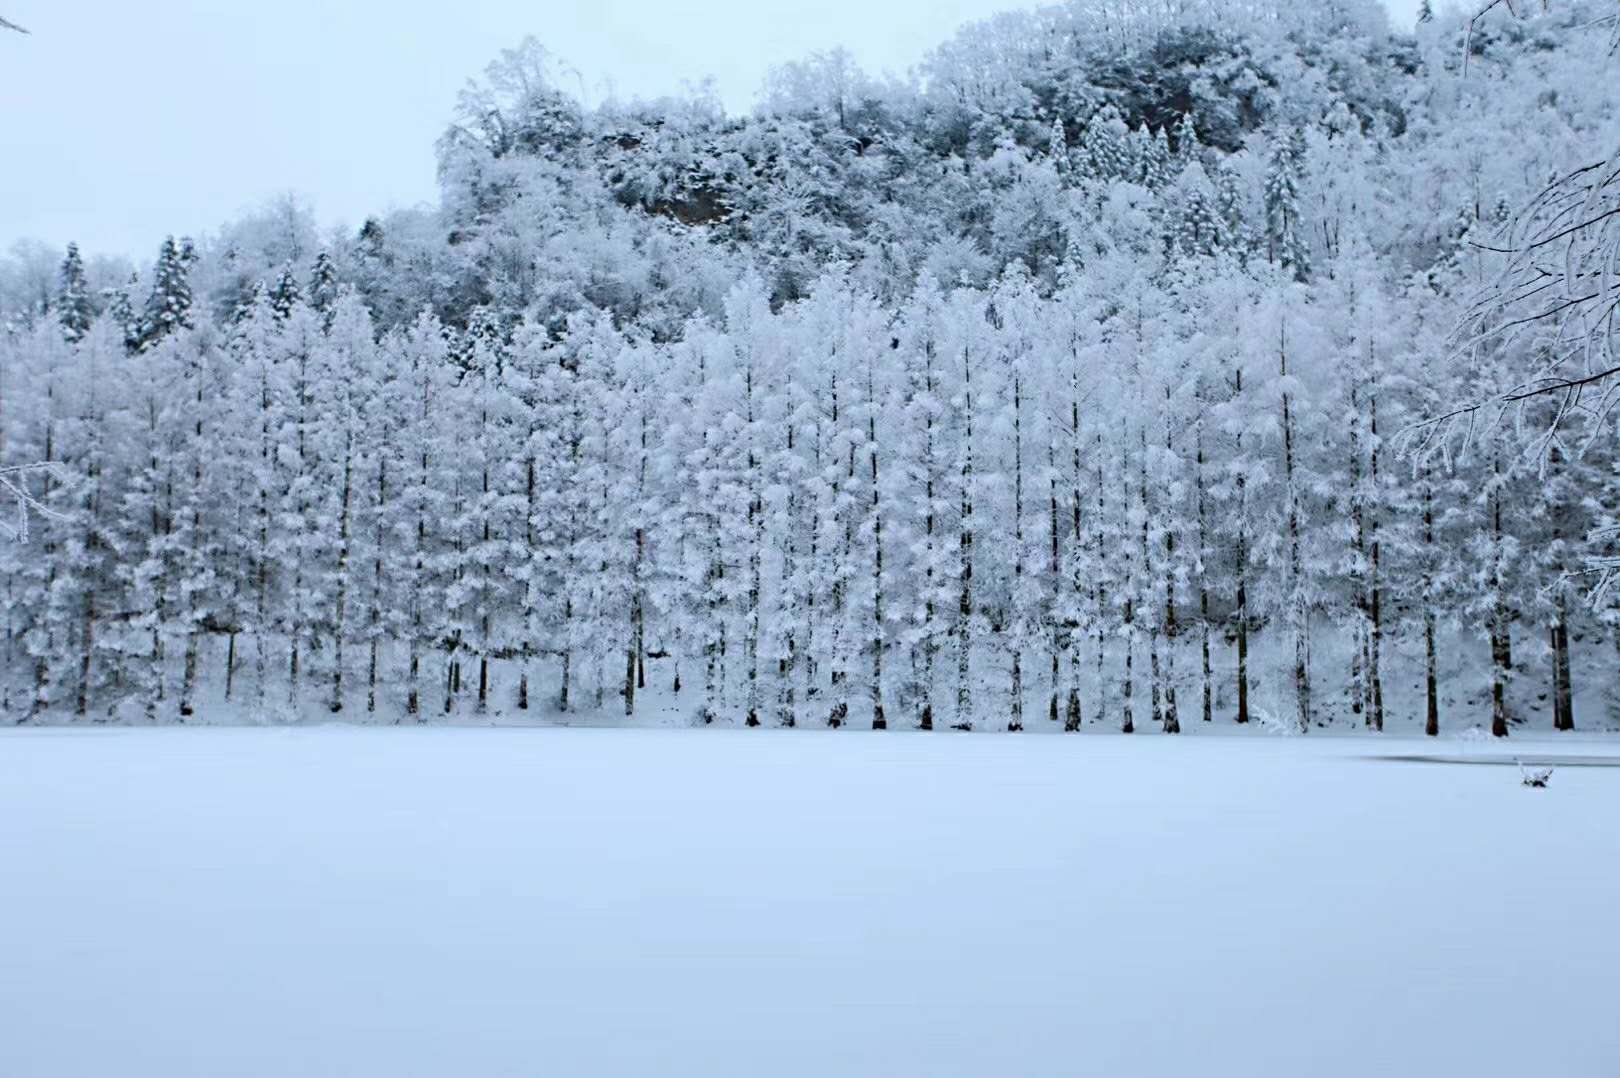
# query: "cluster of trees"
{"points": [[1056, 387]]}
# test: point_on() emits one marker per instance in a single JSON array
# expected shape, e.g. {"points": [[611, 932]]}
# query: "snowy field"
{"points": [[264, 903]]}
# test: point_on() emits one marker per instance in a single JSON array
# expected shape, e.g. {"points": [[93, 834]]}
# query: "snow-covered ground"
{"points": [[332, 901]]}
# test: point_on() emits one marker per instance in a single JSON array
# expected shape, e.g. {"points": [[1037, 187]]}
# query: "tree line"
{"points": [[977, 508]]}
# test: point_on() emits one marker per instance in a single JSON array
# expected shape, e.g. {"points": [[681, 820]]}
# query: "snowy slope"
{"points": [[423, 902]]}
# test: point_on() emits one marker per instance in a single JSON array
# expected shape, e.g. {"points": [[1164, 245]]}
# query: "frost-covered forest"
{"points": [[1131, 364]]}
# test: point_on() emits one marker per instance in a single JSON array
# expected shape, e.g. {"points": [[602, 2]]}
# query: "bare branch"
{"points": [[1468, 38], [11, 486]]}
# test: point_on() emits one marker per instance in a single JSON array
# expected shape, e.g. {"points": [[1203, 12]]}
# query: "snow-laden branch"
{"points": [[1556, 298], [11, 486], [1468, 36]]}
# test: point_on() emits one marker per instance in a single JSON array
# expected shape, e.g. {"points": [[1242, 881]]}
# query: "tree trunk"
{"points": [[1242, 567], [1500, 672], [964, 623], [1206, 683], [1563, 691], [1501, 643], [413, 696], [1128, 726], [1072, 717], [1431, 724], [630, 678], [341, 606], [1375, 664], [230, 664], [86, 651], [1172, 717], [567, 680], [1055, 630], [1299, 614], [1015, 722], [1360, 651], [787, 690], [879, 722]]}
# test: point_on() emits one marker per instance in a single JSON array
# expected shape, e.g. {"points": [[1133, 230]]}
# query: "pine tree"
{"points": [[1057, 147], [323, 286], [1229, 210], [1107, 146], [121, 309], [1187, 145], [1156, 161], [168, 309], [73, 308], [1199, 229], [1285, 237], [285, 295]]}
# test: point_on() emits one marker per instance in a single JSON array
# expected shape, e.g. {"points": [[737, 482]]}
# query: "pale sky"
{"points": [[122, 121]]}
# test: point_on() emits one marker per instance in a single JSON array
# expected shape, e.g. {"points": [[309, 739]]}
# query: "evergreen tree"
{"points": [[1187, 146], [121, 309], [1107, 146], [73, 307], [1285, 238], [1198, 227], [323, 286], [1057, 147], [1156, 162], [168, 309], [285, 295]]}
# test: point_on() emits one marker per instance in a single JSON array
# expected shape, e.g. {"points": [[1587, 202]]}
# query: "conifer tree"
{"points": [[323, 286], [1229, 211], [1107, 146], [1199, 229], [285, 295], [1187, 145], [1285, 236], [1156, 162], [73, 308], [121, 309], [1057, 147], [168, 309]]}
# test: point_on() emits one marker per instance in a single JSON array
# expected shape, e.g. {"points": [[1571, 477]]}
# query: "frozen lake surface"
{"points": [[332, 901]]}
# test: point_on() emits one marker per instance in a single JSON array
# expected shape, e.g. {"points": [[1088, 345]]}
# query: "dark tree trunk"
{"points": [[1242, 559], [1298, 613], [1501, 638], [964, 628], [1375, 665], [1563, 690], [879, 722], [1431, 724]]}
